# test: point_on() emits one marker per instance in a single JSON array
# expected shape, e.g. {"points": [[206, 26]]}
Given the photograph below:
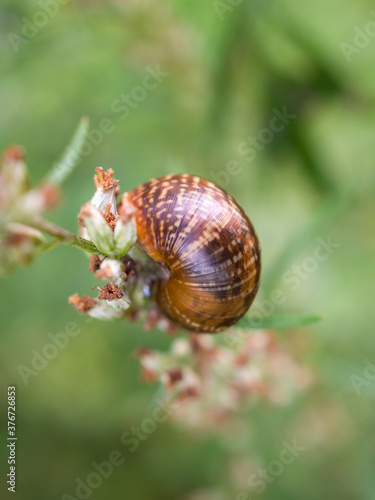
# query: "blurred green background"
{"points": [[227, 68]]}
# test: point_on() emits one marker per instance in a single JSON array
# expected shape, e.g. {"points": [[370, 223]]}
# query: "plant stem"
{"points": [[71, 156], [64, 236]]}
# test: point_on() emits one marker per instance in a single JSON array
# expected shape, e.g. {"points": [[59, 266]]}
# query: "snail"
{"points": [[202, 237]]}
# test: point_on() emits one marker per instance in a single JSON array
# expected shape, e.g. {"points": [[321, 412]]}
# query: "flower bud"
{"points": [[98, 230], [125, 235], [110, 270], [112, 233], [18, 202], [19, 245], [13, 175], [112, 302], [106, 190], [111, 242], [110, 309], [37, 200]]}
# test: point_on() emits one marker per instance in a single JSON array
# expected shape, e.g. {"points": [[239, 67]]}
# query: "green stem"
{"points": [[71, 156], [64, 236]]}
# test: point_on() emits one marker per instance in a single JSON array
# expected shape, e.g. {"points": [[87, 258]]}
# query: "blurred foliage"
{"points": [[227, 73]]}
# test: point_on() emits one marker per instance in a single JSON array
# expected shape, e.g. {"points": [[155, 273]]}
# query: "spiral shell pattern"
{"points": [[203, 237]]}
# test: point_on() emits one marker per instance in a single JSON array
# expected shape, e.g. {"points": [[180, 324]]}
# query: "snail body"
{"points": [[208, 246]]}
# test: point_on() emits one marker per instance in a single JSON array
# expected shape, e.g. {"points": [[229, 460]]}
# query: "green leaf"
{"points": [[71, 155], [277, 322]]}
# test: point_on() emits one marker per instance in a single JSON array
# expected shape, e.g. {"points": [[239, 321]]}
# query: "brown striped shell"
{"points": [[201, 234]]}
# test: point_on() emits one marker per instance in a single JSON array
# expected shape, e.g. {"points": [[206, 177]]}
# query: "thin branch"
{"points": [[64, 236]]}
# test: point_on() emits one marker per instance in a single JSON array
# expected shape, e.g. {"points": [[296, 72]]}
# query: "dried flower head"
{"points": [[113, 234], [212, 382], [20, 206]]}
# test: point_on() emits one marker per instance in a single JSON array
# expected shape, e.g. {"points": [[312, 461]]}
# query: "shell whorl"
{"points": [[201, 234]]}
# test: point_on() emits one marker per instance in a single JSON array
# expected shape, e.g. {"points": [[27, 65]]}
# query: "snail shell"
{"points": [[203, 237]]}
